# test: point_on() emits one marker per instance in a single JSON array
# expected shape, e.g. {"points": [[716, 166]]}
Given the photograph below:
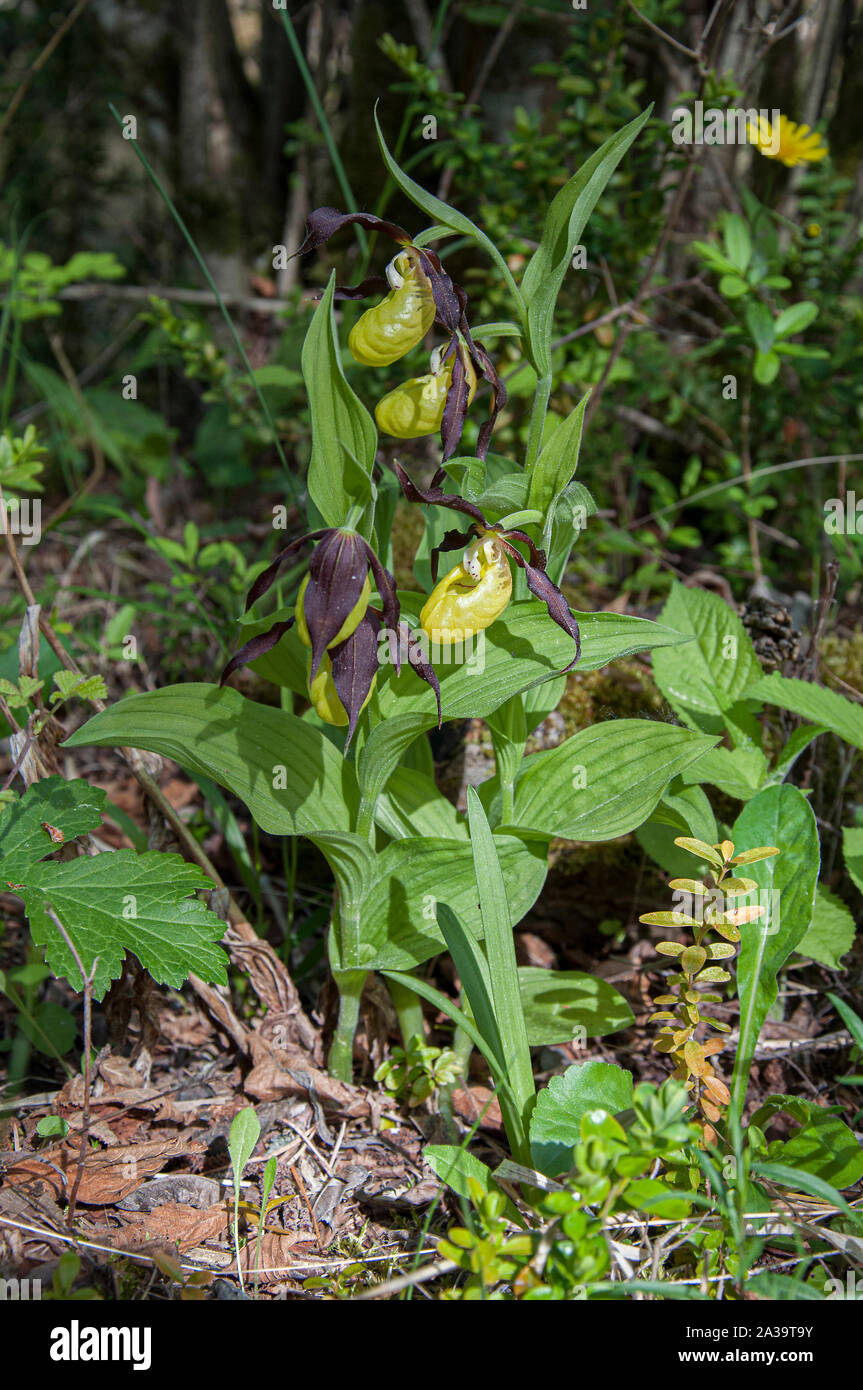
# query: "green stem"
{"points": [[537, 421], [507, 803], [408, 1006], [341, 1059]]}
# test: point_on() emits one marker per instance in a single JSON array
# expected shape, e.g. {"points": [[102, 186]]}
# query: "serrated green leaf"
{"points": [[123, 901], [852, 850], [830, 934], [706, 678], [74, 807], [813, 702]]}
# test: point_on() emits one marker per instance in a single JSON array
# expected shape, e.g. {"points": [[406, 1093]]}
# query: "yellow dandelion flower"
{"points": [[791, 144]]}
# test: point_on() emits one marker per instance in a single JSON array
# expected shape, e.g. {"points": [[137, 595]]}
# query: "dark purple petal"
{"points": [[453, 540], [537, 557], [354, 664], [338, 570], [455, 408], [558, 609], [374, 284], [267, 577], [447, 296], [324, 222], [255, 647], [386, 587], [420, 663], [434, 497], [489, 371]]}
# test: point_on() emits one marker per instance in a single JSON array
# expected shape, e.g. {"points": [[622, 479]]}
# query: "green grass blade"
{"points": [[503, 972]]}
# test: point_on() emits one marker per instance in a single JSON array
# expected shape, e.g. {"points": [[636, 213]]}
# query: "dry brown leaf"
{"points": [[183, 1226], [469, 1105], [108, 1175], [270, 1079]]}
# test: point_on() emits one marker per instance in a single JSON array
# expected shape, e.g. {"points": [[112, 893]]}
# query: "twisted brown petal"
{"points": [[324, 222], [255, 647]]}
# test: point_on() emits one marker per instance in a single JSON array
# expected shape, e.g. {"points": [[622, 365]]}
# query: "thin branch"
{"points": [[88, 1048], [39, 63]]}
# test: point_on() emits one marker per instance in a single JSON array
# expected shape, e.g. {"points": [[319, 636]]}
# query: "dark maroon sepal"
{"points": [[434, 497], [421, 664], [558, 609], [325, 222], [255, 647], [337, 572], [354, 663], [268, 576]]}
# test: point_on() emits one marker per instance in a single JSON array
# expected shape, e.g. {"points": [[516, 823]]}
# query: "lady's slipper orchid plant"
{"points": [[475, 593], [334, 618], [420, 293]]}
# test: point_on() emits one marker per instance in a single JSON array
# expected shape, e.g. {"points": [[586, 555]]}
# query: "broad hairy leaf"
{"points": [[383, 749], [555, 1126], [123, 901], [852, 850], [739, 772], [412, 805], [812, 702], [249, 748], [603, 781], [344, 437], [72, 807], [565, 221], [779, 816], [706, 678]]}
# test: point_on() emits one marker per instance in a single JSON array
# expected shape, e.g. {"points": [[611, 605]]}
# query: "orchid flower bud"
{"points": [[415, 408], [472, 595], [325, 698], [350, 624], [388, 330]]}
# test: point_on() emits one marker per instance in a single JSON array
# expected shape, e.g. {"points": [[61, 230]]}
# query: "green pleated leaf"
{"points": [[293, 780]]}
